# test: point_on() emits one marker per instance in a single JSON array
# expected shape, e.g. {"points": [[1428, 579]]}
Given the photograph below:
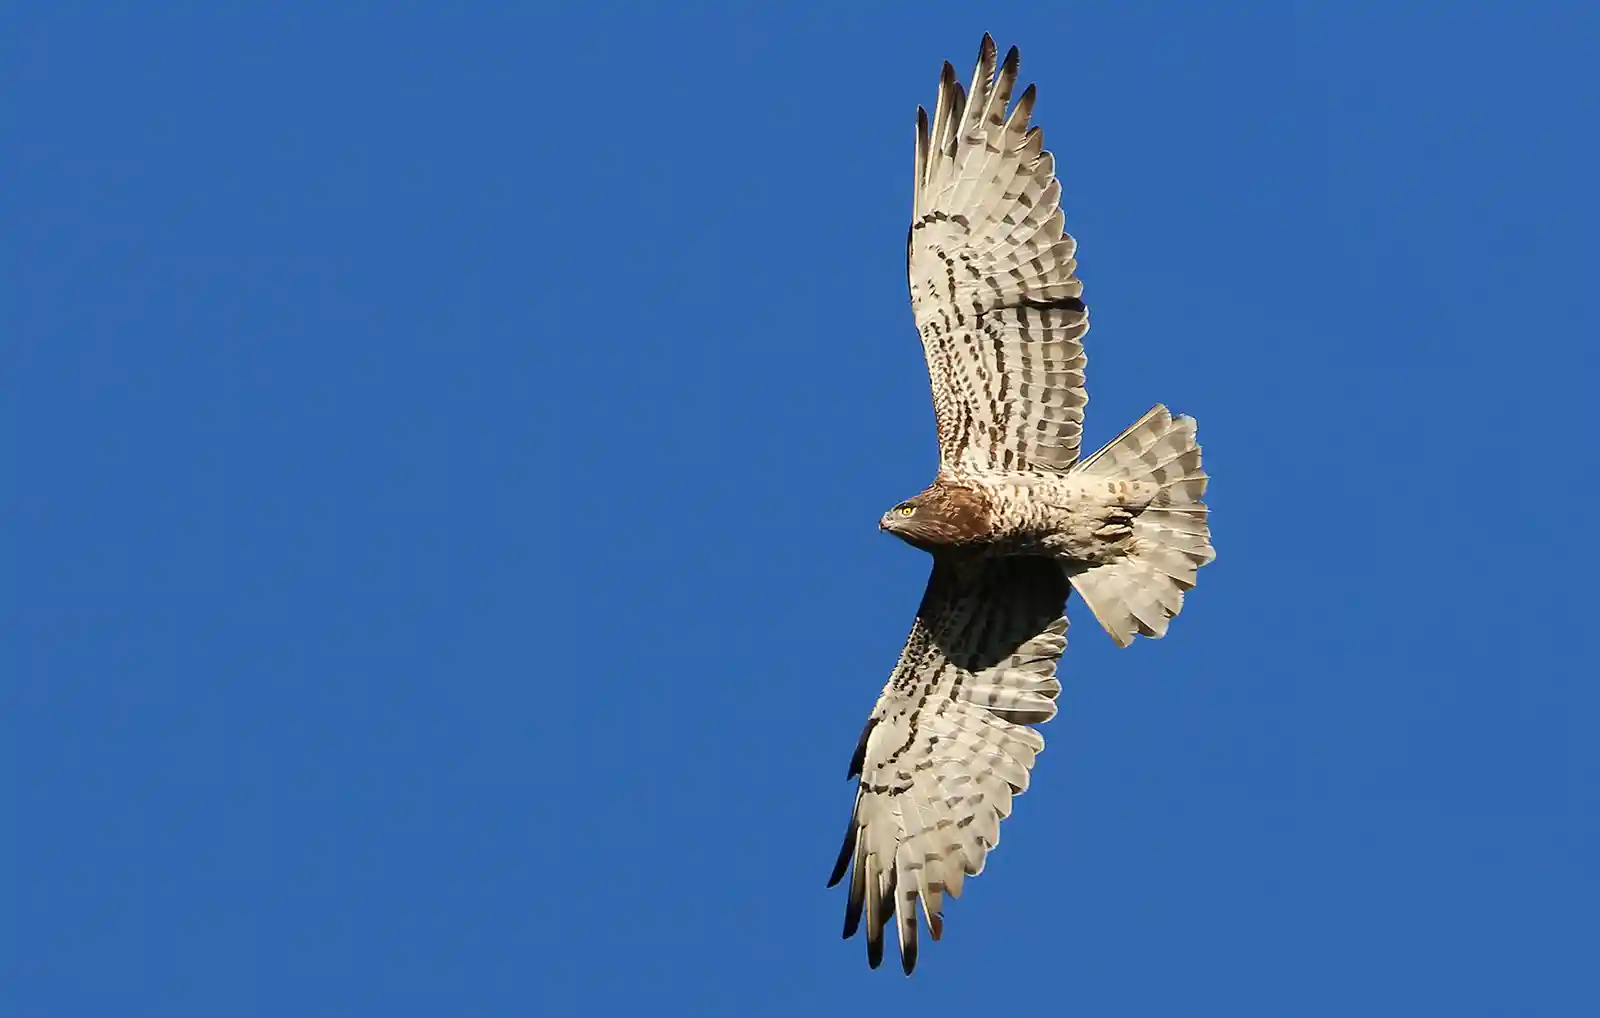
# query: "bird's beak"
{"points": [[883, 522]]}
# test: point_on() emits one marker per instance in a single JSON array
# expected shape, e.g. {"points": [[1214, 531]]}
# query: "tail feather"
{"points": [[1142, 592]]}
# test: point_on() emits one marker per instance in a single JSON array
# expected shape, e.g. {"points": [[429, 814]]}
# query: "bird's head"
{"points": [[946, 514]]}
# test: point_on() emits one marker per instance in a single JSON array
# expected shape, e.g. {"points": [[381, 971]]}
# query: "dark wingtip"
{"points": [[842, 866], [875, 950], [858, 759], [908, 958], [838, 870], [853, 906]]}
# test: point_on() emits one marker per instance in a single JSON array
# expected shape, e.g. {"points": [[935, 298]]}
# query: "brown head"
{"points": [[946, 514]]}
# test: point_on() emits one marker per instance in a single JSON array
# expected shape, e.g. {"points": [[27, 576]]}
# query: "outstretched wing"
{"points": [[948, 745], [992, 284]]}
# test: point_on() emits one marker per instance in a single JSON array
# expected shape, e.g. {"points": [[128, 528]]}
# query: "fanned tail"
{"points": [[1141, 592]]}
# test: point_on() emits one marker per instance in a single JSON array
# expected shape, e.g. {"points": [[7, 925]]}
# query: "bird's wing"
{"points": [[948, 743], [992, 283]]}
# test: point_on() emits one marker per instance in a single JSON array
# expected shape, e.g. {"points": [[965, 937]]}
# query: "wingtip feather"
{"points": [[846, 853]]}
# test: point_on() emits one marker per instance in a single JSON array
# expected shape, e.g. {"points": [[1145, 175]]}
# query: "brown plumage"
{"points": [[948, 514], [1014, 519]]}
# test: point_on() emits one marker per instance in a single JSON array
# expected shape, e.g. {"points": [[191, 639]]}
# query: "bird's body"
{"points": [[1014, 520], [1077, 519]]}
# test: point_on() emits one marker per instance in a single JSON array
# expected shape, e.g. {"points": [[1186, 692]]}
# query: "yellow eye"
{"points": [[906, 510]]}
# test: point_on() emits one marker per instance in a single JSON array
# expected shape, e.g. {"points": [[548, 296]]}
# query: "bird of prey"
{"points": [[1014, 519]]}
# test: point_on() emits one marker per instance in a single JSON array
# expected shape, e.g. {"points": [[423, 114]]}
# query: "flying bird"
{"points": [[1014, 519]]}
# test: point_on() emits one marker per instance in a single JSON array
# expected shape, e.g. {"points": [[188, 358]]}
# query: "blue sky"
{"points": [[445, 447]]}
